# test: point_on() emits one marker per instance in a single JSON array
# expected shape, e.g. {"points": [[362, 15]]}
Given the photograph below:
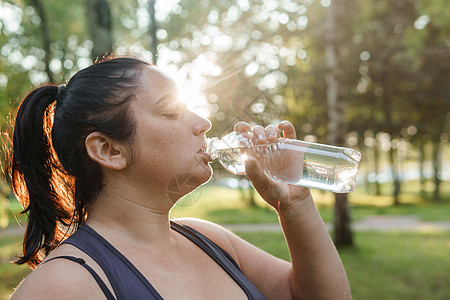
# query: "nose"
{"points": [[200, 125]]}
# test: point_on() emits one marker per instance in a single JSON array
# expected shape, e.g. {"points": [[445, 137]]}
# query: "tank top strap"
{"points": [[125, 278], [221, 257], [94, 274]]}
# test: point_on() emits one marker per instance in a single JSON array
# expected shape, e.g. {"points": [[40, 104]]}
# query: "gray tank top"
{"points": [[126, 280]]}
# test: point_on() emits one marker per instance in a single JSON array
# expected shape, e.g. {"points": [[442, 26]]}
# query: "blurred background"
{"points": [[370, 75]]}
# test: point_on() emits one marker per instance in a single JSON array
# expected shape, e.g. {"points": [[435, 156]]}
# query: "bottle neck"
{"points": [[210, 146], [231, 140]]}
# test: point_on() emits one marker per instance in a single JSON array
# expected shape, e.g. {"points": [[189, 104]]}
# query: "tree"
{"points": [[99, 20], [45, 33], [153, 28], [336, 129], [405, 66]]}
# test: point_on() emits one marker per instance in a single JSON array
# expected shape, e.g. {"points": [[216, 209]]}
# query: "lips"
{"points": [[204, 146], [203, 153]]}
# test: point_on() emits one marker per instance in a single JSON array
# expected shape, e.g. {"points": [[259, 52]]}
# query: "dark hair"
{"points": [[52, 175]]}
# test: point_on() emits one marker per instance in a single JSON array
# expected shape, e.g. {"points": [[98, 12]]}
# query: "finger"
{"points": [[242, 126], [243, 129], [288, 129], [271, 133], [260, 181], [259, 134]]}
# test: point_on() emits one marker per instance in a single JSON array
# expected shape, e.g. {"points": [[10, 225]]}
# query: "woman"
{"points": [[97, 158]]}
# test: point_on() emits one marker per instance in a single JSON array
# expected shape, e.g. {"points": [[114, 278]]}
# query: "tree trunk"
{"points": [[99, 19], [364, 153], [387, 110], [242, 193], [343, 234], [45, 37], [436, 169], [247, 194], [422, 167], [342, 230], [377, 168], [395, 175], [153, 28], [251, 196]]}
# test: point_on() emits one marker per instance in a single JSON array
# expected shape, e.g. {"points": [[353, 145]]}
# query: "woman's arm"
{"points": [[316, 271]]}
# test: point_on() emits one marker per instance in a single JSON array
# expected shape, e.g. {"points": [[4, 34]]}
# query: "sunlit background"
{"points": [[263, 61], [225, 54]]}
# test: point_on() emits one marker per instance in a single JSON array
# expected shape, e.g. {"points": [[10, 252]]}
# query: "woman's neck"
{"points": [[125, 216]]}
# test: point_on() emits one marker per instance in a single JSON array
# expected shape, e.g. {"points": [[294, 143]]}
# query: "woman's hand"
{"points": [[274, 193], [316, 270]]}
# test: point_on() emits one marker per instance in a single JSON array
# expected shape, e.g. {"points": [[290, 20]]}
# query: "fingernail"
{"points": [[260, 137]]}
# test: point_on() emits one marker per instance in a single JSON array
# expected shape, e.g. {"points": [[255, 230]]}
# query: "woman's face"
{"points": [[168, 138]]}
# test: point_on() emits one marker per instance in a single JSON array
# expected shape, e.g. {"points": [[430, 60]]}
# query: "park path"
{"points": [[369, 223]]}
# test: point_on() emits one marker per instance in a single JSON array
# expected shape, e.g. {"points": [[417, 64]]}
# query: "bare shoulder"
{"points": [[218, 234], [202, 225], [58, 279], [211, 230]]}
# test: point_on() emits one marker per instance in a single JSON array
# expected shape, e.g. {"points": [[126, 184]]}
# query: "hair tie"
{"points": [[60, 90]]}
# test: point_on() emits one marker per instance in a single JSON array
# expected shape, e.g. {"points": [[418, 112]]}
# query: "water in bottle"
{"points": [[290, 161]]}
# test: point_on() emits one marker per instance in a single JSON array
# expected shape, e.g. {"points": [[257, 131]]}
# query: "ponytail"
{"points": [[51, 173], [38, 180]]}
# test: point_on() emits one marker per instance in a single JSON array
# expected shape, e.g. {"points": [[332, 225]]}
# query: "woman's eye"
{"points": [[175, 111], [173, 116]]}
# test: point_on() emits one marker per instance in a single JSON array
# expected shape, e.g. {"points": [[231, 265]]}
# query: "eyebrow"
{"points": [[165, 98]]}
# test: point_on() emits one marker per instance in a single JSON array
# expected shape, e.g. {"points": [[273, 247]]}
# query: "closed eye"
{"points": [[172, 116], [175, 110]]}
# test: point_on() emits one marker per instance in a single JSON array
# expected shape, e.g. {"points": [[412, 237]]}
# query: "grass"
{"points": [[412, 202], [402, 265], [394, 265], [223, 205]]}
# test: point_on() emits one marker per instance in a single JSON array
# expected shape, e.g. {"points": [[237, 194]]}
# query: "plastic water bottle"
{"points": [[290, 161]]}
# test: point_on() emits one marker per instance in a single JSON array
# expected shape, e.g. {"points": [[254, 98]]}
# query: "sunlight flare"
{"points": [[191, 94]]}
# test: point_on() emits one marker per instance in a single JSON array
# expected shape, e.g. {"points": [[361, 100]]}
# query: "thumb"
{"points": [[254, 172]]}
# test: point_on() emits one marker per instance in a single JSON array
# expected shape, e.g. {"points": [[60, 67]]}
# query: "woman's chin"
{"points": [[185, 183], [205, 174]]}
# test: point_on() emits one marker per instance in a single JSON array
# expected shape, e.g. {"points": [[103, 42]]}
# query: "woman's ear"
{"points": [[105, 151]]}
